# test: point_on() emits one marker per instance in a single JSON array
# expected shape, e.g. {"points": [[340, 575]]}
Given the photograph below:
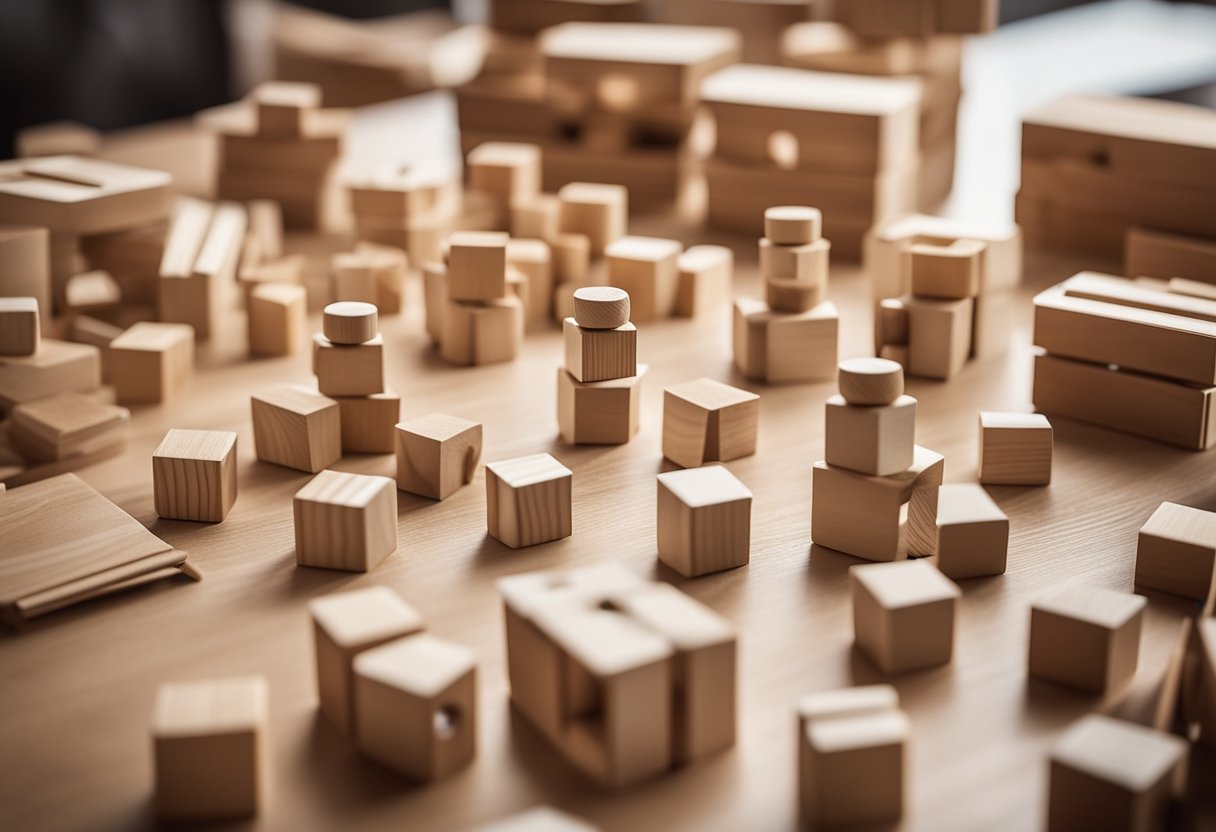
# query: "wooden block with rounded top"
{"points": [[57, 367], [346, 624], [705, 280], [600, 354], [508, 170], [369, 422], [277, 316], [151, 362], [871, 439], [416, 706], [599, 412], [647, 268], [1176, 552], [1086, 637], [482, 333], [782, 348], [296, 427], [477, 265], [528, 500], [349, 369], [601, 307], [903, 614], [704, 520], [1015, 448], [939, 335], [972, 532], [793, 225], [350, 322], [345, 521], [870, 381], [67, 426], [708, 421], [437, 454], [601, 212], [951, 270], [20, 329], [194, 475]]}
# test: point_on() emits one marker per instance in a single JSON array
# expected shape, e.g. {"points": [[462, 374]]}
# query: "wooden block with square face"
{"points": [[600, 354], [209, 747], [277, 316], [151, 362], [482, 333], [783, 348], [1015, 448], [599, 212], [705, 279], [20, 329], [1106, 773], [1176, 552], [477, 265], [57, 367], [647, 268], [67, 425], [704, 520], [282, 107], [903, 615], [437, 454], [599, 412], [345, 521], [369, 422], [1086, 638], [346, 624], [416, 706], [1205, 692], [25, 265], [571, 257], [972, 533], [535, 218], [528, 500], [708, 421], [296, 427], [871, 439], [194, 475], [349, 369], [951, 271], [508, 170], [939, 336]]}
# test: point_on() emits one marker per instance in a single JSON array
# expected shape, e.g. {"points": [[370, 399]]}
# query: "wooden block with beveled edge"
{"points": [[704, 520], [870, 439], [482, 333], [151, 362], [67, 426], [1086, 637], [599, 412], [20, 329], [346, 624], [194, 475], [349, 369], [296, 427], [57, 367], [477, 265], [600, 212], [939, 335], [600, 354], [953, 270], [708, 421], [1015, 448], [903, 614], [705, 279], [528, 500], [437, 454], [369, 422], [345, 521], [277, 316], [1176, 552], [972, 533], [648, 269]]}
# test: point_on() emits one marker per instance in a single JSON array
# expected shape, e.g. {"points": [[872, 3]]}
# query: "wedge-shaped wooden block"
{"points": [[953, 270], [437, 454], [1086, 637], [209, 743], [1015, 448], [345, 521], [601, 307], [20, 329], [648, 268], [870, 381], [939, 336], [599, 412], [482, 333], [600, 354], [296, 427], [528, 500], [369, 422], [151, 362], [704, 520], [972, 533], [871, 439], [780, 348], [705, 279], [57, 367], [903, 615], [708, 421], [66, 425], [1106, 773], [416, 706], [1176, 552], [346, 624], [194, 475], [277, 316], [282, 107], [599, 212], [348, 369], [508, 170]]}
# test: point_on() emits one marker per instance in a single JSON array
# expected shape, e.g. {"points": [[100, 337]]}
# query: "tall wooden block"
{"points": [[1086, 637], [708, 421], [67, 426], [277, 316], [528, 500], [57, 367], [151, 362], [599, 412], [953, 270], [346, 624], [903, 615], [296, 427], [209, 743], [972, 533], [781, 348], [648, 269], [871, 439], [600, 212], [704, 520], [870, 381], [369, 422], [939, 336], [25, 265], [345, 521], [20, 329], [348, 369], [1176, 552], [477, 265], [194, 475], [1015, 448], [704, 283], [435, 299], [437, 454], [600, 354], [482, 333], [890, 324], [508, 170]]}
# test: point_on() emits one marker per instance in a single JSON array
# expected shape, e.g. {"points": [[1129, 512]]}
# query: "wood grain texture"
{"points": [[194, 475]]}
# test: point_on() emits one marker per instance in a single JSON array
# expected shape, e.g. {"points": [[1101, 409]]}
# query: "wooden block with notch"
{"points": [[151, 362], [1176, 552], [903, 615], [349, 369], [57, 367], [781, 348], [296, 427], [369, 422], [482, 333], [20, 329], [66, 425], [1086, 637], [939, 335], [708, 421], [277, 314], [599, 412], [528, 500], [705, 276], [704, 520], [437, 454], [647, 268], [600, 354], [972, 533], [599, 212], [510, 171], [194, 475], [876, 440], [345, 521], [25, 265], [1015, 448], [283, 107]]}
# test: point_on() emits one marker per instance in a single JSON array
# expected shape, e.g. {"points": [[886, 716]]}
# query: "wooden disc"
{"points": [[793, 225], [601, 307], [871, 380], [350, 322]]}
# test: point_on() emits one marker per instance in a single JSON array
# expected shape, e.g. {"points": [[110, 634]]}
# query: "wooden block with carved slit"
{"points": [[1086, 637], [528, 500], [1176, 552], [277, 317], [20, 329], [345, 521], [349, 369], [1015, 448], [151, 362], [296, 427], [437, 454], [903, 614], [194, 475], [704, 520], [707, 421], [600, 212], [369, 423]]}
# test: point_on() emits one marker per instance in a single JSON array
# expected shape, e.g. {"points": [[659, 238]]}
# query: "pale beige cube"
{"points": [[282, 107], [939, 336], [903, 615], [704, 520], [707, 421], [782, 348], [508, 170], [599, 412], [599, 212], [437, 454], [1015, 448], [946, 270], [571, 257], [1176, 552], [348, 369], [648, 268], [194, 475], [531, 260], [296, 427], [704, 284], [871, 439], [477, 265], [345, 521], [528, 500], [277, 317], [482, 333], [972, 532], [151, 362], [535, 218], [600, 354], [369, 422], [1086, 637]]}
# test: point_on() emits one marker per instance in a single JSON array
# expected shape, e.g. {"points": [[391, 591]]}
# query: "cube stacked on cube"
{"points": [[348, 356], [483, 323], [704, 520]]}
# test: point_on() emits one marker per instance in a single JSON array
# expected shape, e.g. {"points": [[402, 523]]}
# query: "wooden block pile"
{"points": [[372, 273], [348, 358], [903, 615], [1127, 356], [409, 209], [483, 319], [624, 677], [199, 267]]}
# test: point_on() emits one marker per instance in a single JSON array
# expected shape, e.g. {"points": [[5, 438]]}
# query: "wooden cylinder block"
{"points": [[601, 307], [874, 381], [793, 225], [350, 322]]}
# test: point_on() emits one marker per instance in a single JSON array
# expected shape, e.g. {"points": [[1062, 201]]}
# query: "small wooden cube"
{"points": [[779, 348], [1113, 775], [482, 333], [571, 257], [57, 367], [528, 500], [903, 614], [282, 105], [346, 624], [369, 422], [599, 412], [939, 336], [20, 328], [793, 225], [1176, 551], [296, 427], [535, 218], [416, 706], [509, 170], [1015, 448], [871, 439], [194, 475], [1086, 637], [67, 426], [601, 307], [704, 283], [648, 268], [437, 454], [599, 212], [477, 265], [151, 362], [600, 354], [345, 521], [972, 533], [951, 271], [348, 369], [278, 313], [209, 743], [708, 421], [350, 322], [704, 520], [870, 381]]}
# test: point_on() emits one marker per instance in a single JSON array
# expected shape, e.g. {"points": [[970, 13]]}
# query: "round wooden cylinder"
{"points": [[793, 225], [350, 322], [601, 307], [871, 381]]}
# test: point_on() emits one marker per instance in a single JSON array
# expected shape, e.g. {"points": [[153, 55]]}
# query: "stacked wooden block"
{"points": [[372, 273], [1127, 356], [625, 678], [348, 358], [199, 267], [409, 209], [483, 319], [296, 427]]}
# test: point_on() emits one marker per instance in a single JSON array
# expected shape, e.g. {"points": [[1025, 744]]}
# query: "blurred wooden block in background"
{"points": [[349, 369], [20, 329], [528, 500], [600, 212], [704, 520], [972, 532], [283, 106], [437, 454], [1149, 253], [1086, 637], [194, 475], [538, 819], [369, 422], [704, 285], [277, 314], [708, 421], [25, 265], [903, 615], [345, 521], [647, 268], [508, 170], [953, 270], [58, 138], [57, 367], [151, 362], [939, 335], [599, 412], [1015, 448], [477, 265], [1176, 552], [877, 440], [296, 427]]}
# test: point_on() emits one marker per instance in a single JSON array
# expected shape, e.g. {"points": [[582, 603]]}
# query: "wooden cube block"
{"points": [[708, 421], [1113, 775], [67, 426], [600, 212], [1176, 552], [437, 454], [972, 533], [571, 257], [806, 263], [647, 268], [535, 218], [372, 274], [1015, 448], [903, 614], [20, 329], [599, 412], [952, 270], [870, 439], [482, 333], [57, 367], [508, 170], [435, 299], [296, 427], [939, 336], [704, 520], [350, 322], [1086, 637], [346, 624], [600, 354], [369, 422], [345, 521], [780, 348], [704, 283], [793, 225], [601, 307], [151, 362], [282, 107], [870, 381], [194, 475], [477, 265], [348, 369], [528, 500], [209, 743], [277, 316], [416, 706]]}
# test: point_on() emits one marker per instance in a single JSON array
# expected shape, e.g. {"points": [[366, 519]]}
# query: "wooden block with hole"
{"points": [[648, 269], [477, 265], [705, 276], [349, 369], [346, 624], [25, 265], [903, 615], [508, 170], [437, 454], [599, 412], [528, 500], [369, 422], [151, 362], [939, 335], [972, 533], [194, 475], [482, 333], [952, 271], [57, 367], [779, 348], [345, 521], [283, 106], [276, 319], [598, 212], [704, 520], [416, 706], [297, 428], [1176, 552], [708, 421], [209, 747], [600, 354], [1015, 448], [1086, 637], [65, 426], [20, 329], [877, 440]]}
